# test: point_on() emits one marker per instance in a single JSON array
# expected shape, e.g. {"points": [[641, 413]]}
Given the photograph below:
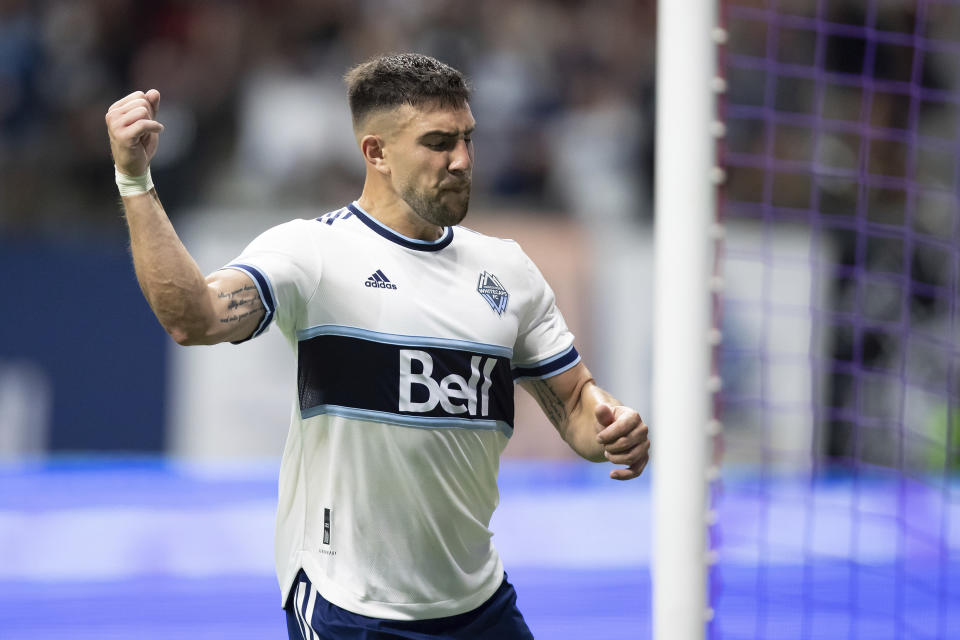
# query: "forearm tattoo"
{"points": [[241, 303], [550, 402]]}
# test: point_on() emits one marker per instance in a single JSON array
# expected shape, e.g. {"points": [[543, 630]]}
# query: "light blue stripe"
{"points": [[551, 373], [404, 341], [404, 420]]}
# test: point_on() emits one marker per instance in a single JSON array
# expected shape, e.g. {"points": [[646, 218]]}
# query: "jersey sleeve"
{"points": [[544, 346], [285, 267]]}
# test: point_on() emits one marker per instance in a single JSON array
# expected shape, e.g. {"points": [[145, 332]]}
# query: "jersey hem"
{"points": [[407, 610]]}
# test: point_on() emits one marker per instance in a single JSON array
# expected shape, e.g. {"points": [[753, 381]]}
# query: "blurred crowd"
{"points": [[255, 112], [842, 116]]}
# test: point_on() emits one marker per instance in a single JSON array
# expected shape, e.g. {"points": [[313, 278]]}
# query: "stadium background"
{"points": [[137, 479]]}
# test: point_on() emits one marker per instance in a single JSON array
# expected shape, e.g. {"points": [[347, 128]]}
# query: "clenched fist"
{"points": [[134, 132], [625, 440]]}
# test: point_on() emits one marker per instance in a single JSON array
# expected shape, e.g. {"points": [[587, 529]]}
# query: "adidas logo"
{"points": [[379, 281]]}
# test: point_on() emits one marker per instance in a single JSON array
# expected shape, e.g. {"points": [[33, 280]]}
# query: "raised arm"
{"points": [[591, 421], [224, 306]]}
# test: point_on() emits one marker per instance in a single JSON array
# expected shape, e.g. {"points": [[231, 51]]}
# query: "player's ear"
{"points": [[372, 148]]}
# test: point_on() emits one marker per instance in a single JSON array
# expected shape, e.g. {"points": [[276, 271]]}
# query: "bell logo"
{"points": [[454, 393]]}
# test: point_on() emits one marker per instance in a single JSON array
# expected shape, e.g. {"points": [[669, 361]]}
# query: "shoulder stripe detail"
{"points": [[339, 214], [265, 289], [552, 366], [404, 340], [402, 420], [402, 240]]}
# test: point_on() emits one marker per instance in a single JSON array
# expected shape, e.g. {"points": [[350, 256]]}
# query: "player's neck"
{"points": [[395, 213]]}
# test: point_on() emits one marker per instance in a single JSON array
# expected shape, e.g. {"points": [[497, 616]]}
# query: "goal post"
{"points": [[685, 216]]}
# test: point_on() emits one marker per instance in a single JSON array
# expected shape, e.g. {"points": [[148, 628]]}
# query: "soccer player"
{"points": [[409, 332]]}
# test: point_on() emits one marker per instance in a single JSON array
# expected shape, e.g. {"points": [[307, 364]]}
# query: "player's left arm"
{"points": [[591, 421]]}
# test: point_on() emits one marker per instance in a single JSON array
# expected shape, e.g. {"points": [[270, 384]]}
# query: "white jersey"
{"points": [[407, 353]]}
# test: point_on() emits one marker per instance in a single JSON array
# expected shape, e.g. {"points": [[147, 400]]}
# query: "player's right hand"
{"points": [[133, 131]]}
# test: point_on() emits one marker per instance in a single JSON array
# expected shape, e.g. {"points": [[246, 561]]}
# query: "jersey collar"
{"points": [[402, 240]]}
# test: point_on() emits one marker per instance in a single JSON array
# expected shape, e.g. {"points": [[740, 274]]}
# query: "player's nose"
{"points": [[461, 159]]}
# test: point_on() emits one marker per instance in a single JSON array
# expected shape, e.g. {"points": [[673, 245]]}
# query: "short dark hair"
{"points": [[389, 81]]}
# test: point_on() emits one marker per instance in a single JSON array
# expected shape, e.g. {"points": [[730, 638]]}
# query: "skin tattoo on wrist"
{"points": [[550, 402]]}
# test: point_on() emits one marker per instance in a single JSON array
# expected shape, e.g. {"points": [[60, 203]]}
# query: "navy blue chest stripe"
{"points": [[403, 241], [411, 385]]}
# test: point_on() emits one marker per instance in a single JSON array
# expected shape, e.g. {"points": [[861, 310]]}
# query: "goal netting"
{"points": [[838, 498]]}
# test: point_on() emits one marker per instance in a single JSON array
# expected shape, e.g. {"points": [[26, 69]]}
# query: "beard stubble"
{"points": [[432, 209]]}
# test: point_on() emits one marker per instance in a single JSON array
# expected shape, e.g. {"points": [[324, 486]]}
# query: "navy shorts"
{"points": [[496, 619]]}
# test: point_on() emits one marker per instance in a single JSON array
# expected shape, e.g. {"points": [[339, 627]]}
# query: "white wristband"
{"points": [[133, 185]]}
